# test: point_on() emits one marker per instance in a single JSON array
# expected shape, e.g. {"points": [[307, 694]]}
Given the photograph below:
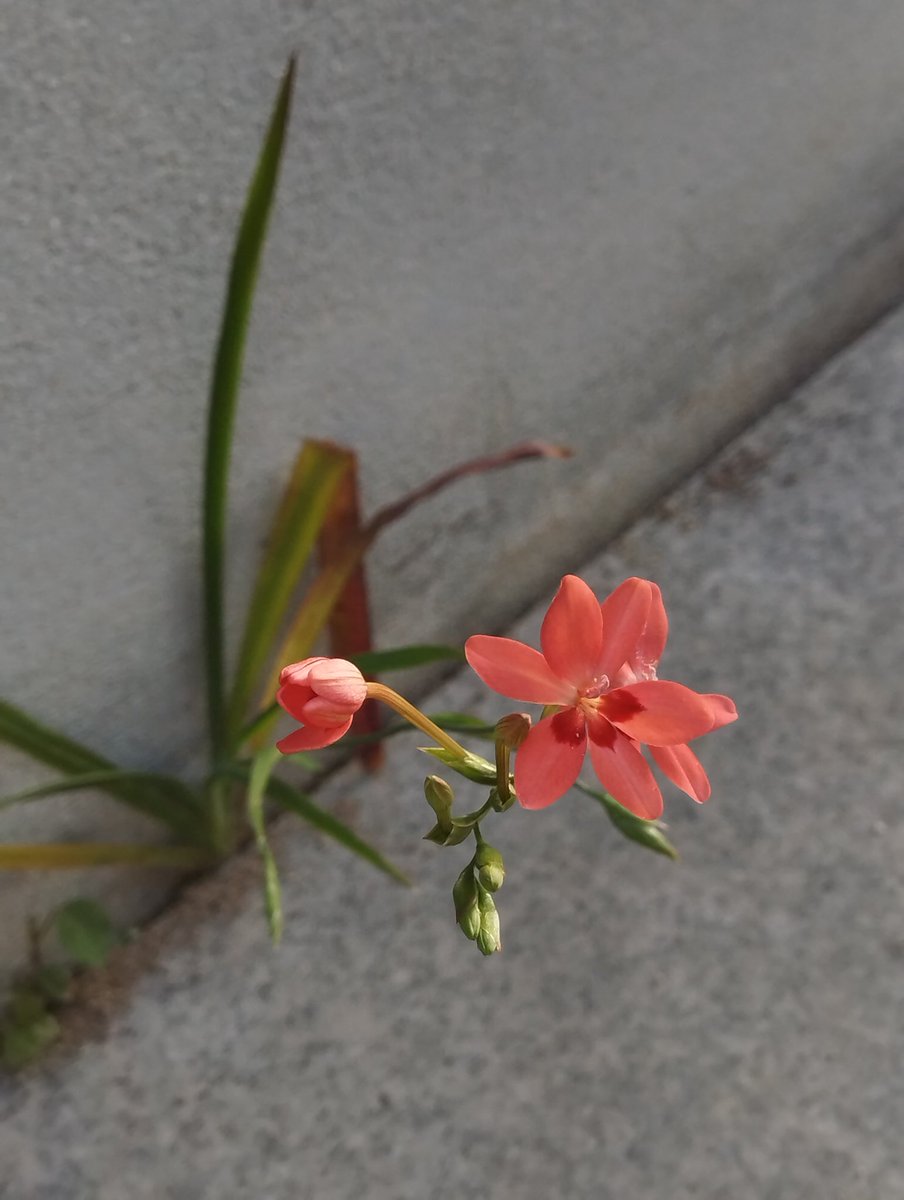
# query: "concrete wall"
{"points": [[629, 227]]}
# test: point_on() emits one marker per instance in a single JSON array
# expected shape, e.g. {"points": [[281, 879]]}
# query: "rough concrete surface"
{"points": [[727, 1027], [624, 226]]}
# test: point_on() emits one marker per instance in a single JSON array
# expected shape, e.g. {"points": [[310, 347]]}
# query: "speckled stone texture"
{"points": [[727, 1027]]}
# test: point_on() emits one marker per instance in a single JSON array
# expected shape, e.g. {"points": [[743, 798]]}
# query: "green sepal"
{"points": [[488, 937], [437, 835], [464, 897], [636, 829], [500, 805], [490, 867], [458, 832], [471, 766]]}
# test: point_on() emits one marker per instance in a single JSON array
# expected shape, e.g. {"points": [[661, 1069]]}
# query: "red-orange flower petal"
{"points": [[550, 760], [623, 771], [516, 670], [338, 681], [572, 633], [323, 712], [293, 697], [312, 737], [684, 769], [658, 712], [298, 672], [723, 710], [651, 643], [624, 613]]}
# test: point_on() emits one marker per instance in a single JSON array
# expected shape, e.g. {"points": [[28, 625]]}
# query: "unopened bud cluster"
{"points": [[472, 895]]}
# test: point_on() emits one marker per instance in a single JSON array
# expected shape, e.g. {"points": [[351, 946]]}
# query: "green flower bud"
{"points": [[464, 896], [440, 797], [488, 939], [490, 867]]}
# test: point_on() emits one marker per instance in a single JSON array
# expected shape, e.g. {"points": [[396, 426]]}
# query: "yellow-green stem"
{"points": [[503, 758], [379, 691]]}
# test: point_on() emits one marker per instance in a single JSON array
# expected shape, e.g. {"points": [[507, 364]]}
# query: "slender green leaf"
{"points": [[161, 797], [403, 658], [303, 806], [451, 722], [315, 478], [227, 370], [349, 629], [636, 829], [261, 768], [314, 611], [86, 932], [456, 722], [53, 856], [256, 728], [164, 797], [45, 744]]}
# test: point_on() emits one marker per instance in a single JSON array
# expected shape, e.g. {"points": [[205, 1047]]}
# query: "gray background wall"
{"points": [[629, 227]]}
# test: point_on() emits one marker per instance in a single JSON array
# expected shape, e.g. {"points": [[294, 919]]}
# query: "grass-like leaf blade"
{"points": [[46, 744], [316, 476], [350, 629], [161, 797], [326, 590], [403, 658], [314, 611], [295, 801], [227, 370], [164, 798]]}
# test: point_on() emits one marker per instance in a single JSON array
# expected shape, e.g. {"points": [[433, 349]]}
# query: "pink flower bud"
{"points": [[323, 694]]}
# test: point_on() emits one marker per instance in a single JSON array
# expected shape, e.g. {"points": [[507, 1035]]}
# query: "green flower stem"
{"points": [[478, 816]]}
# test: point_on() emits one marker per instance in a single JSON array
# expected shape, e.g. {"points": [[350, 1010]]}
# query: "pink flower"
{"points": [[324, 694], [598, 670]]}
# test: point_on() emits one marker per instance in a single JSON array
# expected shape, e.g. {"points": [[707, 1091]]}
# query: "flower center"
{"points": [[589, 695]]}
